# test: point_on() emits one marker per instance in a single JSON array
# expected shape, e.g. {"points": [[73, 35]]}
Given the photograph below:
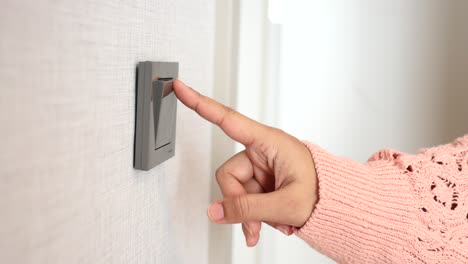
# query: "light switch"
{"points": [[156, 111], [164, 115]]}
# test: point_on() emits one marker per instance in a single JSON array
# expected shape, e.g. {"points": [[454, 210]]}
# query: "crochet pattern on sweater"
{"points": [[439, 177], [396, 208]]}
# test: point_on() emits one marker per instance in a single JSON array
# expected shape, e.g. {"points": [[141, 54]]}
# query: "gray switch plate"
{"points": [[156, 111]]}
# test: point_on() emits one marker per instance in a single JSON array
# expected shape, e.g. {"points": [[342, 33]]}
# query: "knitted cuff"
{"points": [[362, 213]]}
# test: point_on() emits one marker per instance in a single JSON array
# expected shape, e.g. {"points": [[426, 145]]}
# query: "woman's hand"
{"points": [[273, 180]]}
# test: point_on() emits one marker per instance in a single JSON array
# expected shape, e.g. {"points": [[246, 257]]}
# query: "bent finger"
{"points": [[233, 174]]}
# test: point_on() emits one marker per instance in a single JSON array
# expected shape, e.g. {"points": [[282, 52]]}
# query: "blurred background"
{"points": [[352, 76]]}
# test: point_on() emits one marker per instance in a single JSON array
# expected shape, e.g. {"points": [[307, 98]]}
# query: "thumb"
{"points": [[250, 207]]}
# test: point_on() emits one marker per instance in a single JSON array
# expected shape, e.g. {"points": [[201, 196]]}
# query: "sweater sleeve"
{"points": [[396, 208]]}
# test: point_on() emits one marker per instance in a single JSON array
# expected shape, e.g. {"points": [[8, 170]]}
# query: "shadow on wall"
{"points": [[456, 95]]}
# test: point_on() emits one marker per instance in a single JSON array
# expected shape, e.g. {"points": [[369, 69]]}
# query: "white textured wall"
{"points": [[68, 192]]}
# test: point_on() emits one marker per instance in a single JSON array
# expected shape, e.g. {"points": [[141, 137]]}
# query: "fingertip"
{"points": [[249, 241], [178, 87], [184, 93], [179, 84], [252, 240]]}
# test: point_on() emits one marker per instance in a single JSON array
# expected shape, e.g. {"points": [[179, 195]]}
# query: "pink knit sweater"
{"points": [[396, 208]]}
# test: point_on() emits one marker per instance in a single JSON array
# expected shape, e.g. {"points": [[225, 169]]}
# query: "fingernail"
{"points": [[216, 212], [283, 230]]}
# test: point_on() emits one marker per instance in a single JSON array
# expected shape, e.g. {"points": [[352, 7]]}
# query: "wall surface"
{"points": [[68, 191]]}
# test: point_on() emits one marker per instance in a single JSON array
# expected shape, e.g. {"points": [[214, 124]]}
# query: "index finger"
{"points": [[237, 126]]}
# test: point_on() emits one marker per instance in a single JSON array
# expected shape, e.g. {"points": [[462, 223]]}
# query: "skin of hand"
{"points": [[272, 181]]}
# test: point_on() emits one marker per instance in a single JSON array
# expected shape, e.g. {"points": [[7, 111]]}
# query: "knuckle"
{"points": [[219, 174], [242, 207], [197, 102], [278, 131], [274, 130], [227, 112]]}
